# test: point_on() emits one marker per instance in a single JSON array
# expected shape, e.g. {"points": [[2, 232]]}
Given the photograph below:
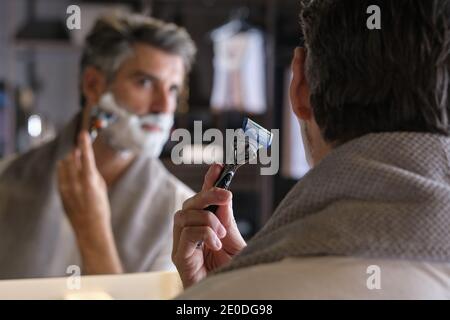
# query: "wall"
{"points": [[57, 100]]}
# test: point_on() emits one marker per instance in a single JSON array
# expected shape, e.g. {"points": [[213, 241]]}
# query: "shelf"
{"points": [[49, 45]]}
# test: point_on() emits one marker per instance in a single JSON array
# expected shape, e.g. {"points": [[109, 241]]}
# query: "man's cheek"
{"points": [[134, 100]]}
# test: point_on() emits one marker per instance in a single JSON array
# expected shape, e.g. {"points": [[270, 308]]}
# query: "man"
{"points": [[117, 198], [372, 218]]}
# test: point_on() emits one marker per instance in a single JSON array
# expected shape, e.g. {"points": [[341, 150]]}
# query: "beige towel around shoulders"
{"points": [[383, 195]]}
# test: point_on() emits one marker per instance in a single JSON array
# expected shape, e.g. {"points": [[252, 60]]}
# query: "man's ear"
{"points": [[93, 85], [299, 91]]}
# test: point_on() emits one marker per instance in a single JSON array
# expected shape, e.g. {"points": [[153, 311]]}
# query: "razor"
{"points": [[103, 115], [99, 120], [251, 139]]}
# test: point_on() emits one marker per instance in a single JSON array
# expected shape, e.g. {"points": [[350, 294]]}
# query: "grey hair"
{"points": [[112, 38], [366, 81]]}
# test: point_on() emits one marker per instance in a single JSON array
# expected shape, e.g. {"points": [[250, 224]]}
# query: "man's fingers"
{"points": [[68, 176], [191, 236], [72, 161], [196, 218], [70, 166], [87, 154], [214, 196], [226, 216], [211, 176], [61, 174]]}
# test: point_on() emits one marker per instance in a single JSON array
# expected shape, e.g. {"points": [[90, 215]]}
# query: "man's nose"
{"points": [[161, 101]]}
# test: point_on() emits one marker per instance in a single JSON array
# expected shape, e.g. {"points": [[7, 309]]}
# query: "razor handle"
{"points": [[223, 182]]}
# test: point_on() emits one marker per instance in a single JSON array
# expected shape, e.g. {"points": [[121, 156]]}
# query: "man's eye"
{"points": [[175, 92], [145, 82]]}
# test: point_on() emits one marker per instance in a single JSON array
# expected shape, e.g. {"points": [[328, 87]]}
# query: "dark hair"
{"points": [[365, 81], [110, 42]]}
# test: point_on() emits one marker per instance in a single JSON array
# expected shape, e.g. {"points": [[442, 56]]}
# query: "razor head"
{"points": [[99, 120], [243, 153], [248, 141], [256, 133], [104, 114]]}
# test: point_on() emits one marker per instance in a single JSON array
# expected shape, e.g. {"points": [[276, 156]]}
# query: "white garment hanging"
{"points": [[239, 70]]}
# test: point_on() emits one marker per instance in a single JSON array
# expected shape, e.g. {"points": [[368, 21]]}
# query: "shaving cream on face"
{"points": [[127, 132]]}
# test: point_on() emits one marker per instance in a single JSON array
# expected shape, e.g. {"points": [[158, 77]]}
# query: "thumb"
{"points": [[87, 154], [225, 214], [211, 176]]}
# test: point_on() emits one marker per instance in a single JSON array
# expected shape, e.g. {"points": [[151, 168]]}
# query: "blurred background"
{"points": [[39, 62]]}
